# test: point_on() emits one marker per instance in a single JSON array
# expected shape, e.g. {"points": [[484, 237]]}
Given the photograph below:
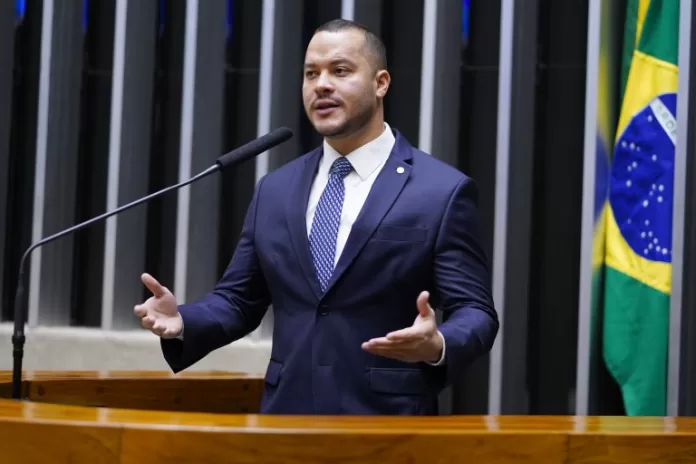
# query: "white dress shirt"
{"points": [[367, 162]]}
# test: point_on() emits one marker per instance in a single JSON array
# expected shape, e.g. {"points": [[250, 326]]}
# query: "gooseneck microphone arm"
{"points": [[232, 158], [18, 336]]}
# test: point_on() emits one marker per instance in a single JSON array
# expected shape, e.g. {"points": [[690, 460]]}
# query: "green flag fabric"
{"points": [[638, 253]]}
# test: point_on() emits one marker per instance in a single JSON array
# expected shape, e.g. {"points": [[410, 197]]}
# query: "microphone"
{"points": [[233, 158], [254, 148]]}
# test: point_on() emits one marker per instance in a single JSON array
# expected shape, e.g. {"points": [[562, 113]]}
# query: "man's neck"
{"points": [[366, 135]]}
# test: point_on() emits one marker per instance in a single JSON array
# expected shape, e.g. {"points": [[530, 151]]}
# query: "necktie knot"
{"points": [[341, 168]]}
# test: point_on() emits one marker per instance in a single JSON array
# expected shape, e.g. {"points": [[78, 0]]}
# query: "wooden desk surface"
{"points": [[43, 432]]}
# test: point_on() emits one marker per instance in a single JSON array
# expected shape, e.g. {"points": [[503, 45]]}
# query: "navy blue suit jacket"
{"points": [[418, 230]]}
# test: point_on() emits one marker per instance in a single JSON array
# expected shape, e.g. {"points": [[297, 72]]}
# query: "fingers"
{"points": [[154, 325], [405, 353], [384, 343], [151, 314], [140, 310], [424, 308], [153, 285], [409, 334], [168, 332], [148, 322], [158, 326]]}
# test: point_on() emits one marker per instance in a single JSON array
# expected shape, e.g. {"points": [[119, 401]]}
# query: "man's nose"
{"points": [[324, 83]]}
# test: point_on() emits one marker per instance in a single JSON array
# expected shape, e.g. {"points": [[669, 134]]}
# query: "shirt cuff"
{"points": [[181, 334], [442, 356]]}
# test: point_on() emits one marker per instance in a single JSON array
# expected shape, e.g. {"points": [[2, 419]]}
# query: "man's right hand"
{"points": [[159, 313]]}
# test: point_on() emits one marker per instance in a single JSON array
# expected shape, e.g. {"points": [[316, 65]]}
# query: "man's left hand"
{"points": [[419, 343]]}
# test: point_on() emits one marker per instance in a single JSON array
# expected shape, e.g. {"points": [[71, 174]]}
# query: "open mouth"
{"points": [[323, 107]]}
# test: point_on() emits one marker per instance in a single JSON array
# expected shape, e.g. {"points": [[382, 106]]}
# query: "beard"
{"points": [[346, 126]]}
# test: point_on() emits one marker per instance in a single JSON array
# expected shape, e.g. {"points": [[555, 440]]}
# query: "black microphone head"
{"points": [[255, 147]]}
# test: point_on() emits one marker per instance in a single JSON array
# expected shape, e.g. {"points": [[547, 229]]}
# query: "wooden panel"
{"points": [[30, 442], [105, 435], [215, 392], [317, 446], [203, 395], [630, 449]]}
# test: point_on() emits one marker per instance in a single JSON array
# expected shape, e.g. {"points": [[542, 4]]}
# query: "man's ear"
{"points": [[383, 80]]}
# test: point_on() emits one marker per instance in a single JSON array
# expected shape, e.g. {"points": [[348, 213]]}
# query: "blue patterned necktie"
{"points": [[322, 238]]}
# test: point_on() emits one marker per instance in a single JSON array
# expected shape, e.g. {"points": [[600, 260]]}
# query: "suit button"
{"points": [[323, 310]]}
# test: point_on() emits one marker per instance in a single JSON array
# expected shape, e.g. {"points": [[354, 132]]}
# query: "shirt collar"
{"points": [[366, 158]]}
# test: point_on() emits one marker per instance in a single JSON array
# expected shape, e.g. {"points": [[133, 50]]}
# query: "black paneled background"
{"points": [[166, 127], [19, 189], [559, 149], [555, 130], [93, 162], [402, 32], [477, 141], [242, 62]]}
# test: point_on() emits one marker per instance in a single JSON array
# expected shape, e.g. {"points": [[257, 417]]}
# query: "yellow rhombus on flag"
{"points": [[639, 214]]}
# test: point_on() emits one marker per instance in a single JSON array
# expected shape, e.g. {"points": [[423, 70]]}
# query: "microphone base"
{"points": [[17, 354]]}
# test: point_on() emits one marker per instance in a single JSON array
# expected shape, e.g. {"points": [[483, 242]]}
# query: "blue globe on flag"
{"points": [[643, 179]]}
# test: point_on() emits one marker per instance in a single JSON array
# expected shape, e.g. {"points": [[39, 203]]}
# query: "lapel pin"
{"points": [[400, 170]]}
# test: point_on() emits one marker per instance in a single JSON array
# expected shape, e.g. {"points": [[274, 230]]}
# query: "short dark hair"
{"points": [[373, 42]]}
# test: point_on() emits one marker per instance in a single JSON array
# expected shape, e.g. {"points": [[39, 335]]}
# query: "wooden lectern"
{"points": [[158, 417]]}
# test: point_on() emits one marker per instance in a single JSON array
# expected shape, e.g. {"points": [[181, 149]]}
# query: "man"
{"points": [[350, 243]]}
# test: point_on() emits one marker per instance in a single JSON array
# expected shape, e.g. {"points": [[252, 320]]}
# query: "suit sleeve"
{"points": [[232, 310], [462, 282]]}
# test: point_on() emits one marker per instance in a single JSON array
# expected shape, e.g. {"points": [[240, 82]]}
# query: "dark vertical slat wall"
{"points": [[447, 75], [200, 220], [57, 150], [286, 94], [166, 137], [684, 402], [242, 62], [402, 32], [92, 161], [130, 148], [477, 129], [7, 42], [557, 199], [20, 185], [369, 13], [517, 232]]}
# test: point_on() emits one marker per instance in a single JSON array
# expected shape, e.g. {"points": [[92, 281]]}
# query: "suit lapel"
{"points": [[384, 192], [296, 207]]}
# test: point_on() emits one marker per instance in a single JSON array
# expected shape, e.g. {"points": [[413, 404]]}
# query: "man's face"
{"points": [[340, 86]]}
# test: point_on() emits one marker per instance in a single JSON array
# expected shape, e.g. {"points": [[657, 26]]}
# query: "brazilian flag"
{"points": [[638, 253]]}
